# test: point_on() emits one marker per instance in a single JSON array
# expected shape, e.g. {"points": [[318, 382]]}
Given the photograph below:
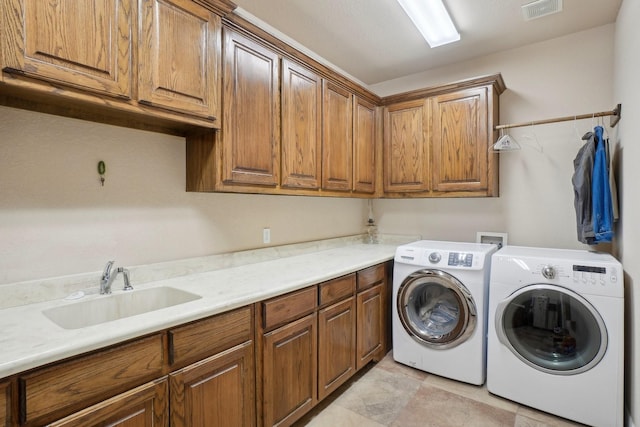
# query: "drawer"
{"points": [[280, 310], [337, 289], [50, 393], [371, 276], [206, 337]]}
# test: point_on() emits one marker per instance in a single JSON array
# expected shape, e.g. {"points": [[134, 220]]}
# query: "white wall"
{"points": [[627, 90], [561, 77], [56, 219]]}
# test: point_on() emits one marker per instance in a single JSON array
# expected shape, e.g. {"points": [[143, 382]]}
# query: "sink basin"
{"points": [[117, 306]]}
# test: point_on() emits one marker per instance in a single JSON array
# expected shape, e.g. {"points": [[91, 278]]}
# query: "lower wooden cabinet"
{"points": [[56, 391], [289, 371], [217, 391], [144, 406], [370, 325], [336, 345], [5, 404], [233, 369]]}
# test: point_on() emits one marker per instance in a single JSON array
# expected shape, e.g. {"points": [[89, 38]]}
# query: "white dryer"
{"points": [[556, 334], [440, 293]]}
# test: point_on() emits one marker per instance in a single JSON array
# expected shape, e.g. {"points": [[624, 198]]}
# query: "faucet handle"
{"points": [[107, 270]]}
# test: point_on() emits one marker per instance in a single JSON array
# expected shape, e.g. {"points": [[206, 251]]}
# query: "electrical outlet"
{"points": [[266, 235]]}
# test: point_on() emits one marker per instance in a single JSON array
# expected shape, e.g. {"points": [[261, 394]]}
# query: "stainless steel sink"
{"points": [[117, 306]]}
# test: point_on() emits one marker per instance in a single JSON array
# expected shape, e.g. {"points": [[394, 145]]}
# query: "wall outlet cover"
{"points": [[499, 239]]}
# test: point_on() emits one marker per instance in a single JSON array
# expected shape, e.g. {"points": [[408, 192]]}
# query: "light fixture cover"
{"points": [[432, 20]]}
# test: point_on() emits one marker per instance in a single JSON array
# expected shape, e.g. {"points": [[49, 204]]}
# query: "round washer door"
{"points": [[436, 309], [552, 329]]}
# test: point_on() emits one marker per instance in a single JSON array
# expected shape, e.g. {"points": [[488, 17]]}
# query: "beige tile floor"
{"points": [[391, 394]]}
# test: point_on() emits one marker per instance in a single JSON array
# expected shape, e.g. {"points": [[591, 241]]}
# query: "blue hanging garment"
{"points": [[602, 215]]}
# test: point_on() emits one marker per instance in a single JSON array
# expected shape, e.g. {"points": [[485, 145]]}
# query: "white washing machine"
{"points": [[556, 332], [440, 292]]}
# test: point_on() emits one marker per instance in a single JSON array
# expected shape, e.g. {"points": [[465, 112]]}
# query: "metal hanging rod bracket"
{"points": [[615, 118]]}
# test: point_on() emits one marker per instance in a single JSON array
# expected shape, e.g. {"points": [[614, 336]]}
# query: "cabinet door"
{"points": [[337, 138], [144, 406], [289, 376], [217, 391], [370, 325], [179, 53], [406, 153], [301, 131], [364, 142], [460, 140], [80, 43], [336, 346], [5, 404], [251, 125]]}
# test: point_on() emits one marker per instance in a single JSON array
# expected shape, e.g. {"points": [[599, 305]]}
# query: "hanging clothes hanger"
{"points": [[533, 137], [505, 143]]}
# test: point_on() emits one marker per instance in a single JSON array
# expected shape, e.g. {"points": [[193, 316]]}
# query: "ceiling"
{"points": [[374, 40]]}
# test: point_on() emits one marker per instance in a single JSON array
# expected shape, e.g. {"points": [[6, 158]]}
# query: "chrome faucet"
{"points": [[108, 277]]}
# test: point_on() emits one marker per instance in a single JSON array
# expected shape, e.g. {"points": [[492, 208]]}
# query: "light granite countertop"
{"points": [[29, 339]]}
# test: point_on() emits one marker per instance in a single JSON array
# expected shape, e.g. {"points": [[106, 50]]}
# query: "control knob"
{"points": [[434, 257], [549, 272]]}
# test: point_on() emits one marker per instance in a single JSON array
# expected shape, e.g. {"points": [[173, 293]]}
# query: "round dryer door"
{"points": [[552, 329], [436, 309]]}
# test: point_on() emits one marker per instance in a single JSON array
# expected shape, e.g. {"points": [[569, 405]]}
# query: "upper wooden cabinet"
{"points": [[437, 141], [337, 138], [147, 64], [459, 141], [251, 125], [364, 146], [83, 44], [406, 148], [301, 126], [179, 57]]}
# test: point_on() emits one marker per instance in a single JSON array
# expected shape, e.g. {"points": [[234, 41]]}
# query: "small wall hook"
{"points": [[101, 170]]}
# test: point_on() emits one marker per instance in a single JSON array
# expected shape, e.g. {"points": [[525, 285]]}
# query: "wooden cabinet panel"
{"points": [[301, 126], [406, 153], [84, 44], [289, 374], [370, 325], [61, 389], [336, 346], [337, 289], [337, 138], [203, 338], [459, 138], [280, 310], [251, 125], [371, 276], [217, 391], [5, 404], [180, 45], [364, 146], [144, 406]]}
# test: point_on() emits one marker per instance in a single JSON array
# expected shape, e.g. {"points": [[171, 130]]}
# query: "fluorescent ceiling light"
{"points": [[432, 20]]}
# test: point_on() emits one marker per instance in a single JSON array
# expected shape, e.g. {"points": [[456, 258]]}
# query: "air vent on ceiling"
{"points": [[540, 8]]}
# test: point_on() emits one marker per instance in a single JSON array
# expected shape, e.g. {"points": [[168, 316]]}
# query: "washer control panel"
{"points": [[460, 259], [441, 258]]}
